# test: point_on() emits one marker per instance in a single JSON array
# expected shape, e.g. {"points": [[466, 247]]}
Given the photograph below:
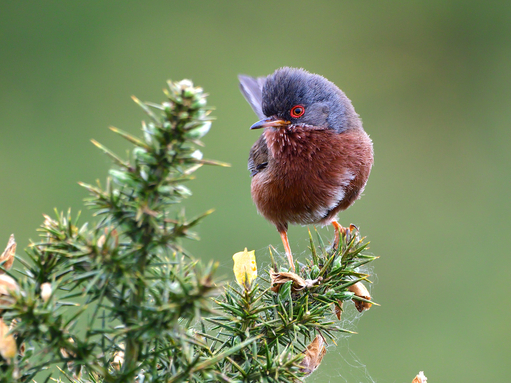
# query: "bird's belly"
{"points": [[297, 194], [301, 187]]}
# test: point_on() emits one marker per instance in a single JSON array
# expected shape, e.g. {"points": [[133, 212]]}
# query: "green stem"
{"points": [[133, 342]]}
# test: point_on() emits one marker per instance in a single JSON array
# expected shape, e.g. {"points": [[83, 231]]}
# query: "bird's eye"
{"points": [[297, 111]]}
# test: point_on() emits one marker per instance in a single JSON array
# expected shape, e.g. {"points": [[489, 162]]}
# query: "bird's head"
{"points": [[295, 97]]}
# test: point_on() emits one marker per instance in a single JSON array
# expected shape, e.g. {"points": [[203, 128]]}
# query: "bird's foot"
{"points": [[283, 235], [338, 229]]}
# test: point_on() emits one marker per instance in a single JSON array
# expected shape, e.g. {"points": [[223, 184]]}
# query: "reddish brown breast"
{"points": [[311, 174]]}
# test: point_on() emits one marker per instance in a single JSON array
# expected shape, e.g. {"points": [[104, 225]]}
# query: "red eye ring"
{"points": [[297, 111]]}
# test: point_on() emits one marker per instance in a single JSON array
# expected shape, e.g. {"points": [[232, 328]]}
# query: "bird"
{"points": [[313, 158]]}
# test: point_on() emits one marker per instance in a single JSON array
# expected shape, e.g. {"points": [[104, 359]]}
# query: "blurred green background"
{"points": [[431, 81]]}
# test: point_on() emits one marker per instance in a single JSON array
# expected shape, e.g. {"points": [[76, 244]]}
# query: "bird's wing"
{"points": [[252, 87], [258, 157]]}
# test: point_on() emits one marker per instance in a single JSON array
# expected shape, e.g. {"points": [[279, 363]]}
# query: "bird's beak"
{"points": [[270, 121]]}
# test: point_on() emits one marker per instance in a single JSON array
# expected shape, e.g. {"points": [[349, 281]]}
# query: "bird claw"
{"points": [[341, 230]]}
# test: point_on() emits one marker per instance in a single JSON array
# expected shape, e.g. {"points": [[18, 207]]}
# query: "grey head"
{"points": [[300, 97]]}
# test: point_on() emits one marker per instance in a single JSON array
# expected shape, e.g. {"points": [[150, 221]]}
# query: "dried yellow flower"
{"points": [[7, 257], [7, 286], [101, 241], [7, 342], [12, 326], [420, 378], [46, 291], [361, 291], [71, 366], [68, 353], [313, 355], [280, 278], [245, 266], [118, 359]]}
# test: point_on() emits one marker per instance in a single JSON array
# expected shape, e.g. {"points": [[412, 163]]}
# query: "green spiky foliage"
{"points": [[124, 302], [290, 315]]}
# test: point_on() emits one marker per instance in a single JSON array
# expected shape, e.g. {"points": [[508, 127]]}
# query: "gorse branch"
{"points": [[297, 313], [133, 292], [119, 300]]}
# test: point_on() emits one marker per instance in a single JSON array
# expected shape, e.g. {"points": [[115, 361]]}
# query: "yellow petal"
{"points": [[245, 265]]}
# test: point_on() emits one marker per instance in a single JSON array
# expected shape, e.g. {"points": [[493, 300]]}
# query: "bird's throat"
{"points": [[295, 141]]}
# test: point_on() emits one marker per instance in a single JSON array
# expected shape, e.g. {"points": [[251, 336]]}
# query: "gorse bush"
{"points": [[120, 300]]}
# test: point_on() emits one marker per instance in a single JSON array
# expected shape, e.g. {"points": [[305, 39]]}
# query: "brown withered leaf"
{"points": [[313, 355], [7, 257], [420, 378], [361, 291], [279, 278]]}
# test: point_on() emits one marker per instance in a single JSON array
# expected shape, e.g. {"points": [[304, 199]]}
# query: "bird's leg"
{"points": [[338, 229], [283, 235]]}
